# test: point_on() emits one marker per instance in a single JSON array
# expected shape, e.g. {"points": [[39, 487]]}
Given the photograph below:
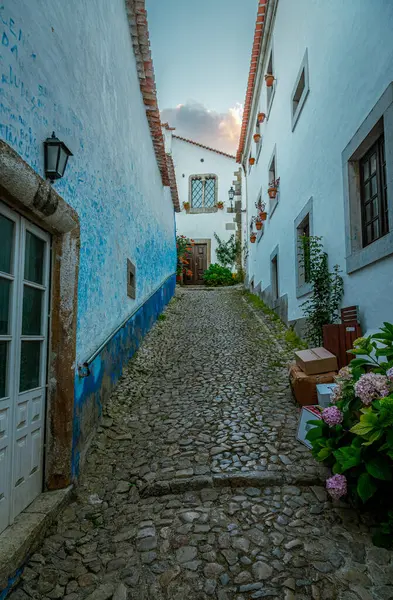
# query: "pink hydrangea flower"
{"points": [[371, 386], [336, 486], [332, 416], [389, 373]]}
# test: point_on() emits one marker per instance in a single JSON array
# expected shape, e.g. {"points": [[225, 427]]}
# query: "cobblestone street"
{"points": [[195, 486]]}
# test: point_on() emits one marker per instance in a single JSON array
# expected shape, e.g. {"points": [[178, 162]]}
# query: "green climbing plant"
{"points": [[327, 288], [228, 252]]}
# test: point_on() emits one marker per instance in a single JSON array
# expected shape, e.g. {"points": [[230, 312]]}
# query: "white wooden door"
{"points": [[24, 282]]}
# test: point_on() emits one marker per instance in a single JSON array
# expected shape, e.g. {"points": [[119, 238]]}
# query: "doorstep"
{"points": [[20, 540]]}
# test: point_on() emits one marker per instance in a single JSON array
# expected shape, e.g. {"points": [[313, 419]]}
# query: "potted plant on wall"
{"points": [[220, 205], [257, 138], [258, 224], [261, 117], [261, 207], [253, 235], [186, 206], [251, 160], [273, 188], [269, 78]]}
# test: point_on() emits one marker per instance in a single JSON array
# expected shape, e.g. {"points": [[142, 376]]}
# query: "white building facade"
{"points": [[326, 127], [204, 177]]}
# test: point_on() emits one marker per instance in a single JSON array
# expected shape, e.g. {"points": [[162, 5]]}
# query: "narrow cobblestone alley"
{"points": [[195, 486]]}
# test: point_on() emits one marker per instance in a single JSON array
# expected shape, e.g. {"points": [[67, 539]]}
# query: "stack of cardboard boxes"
{"points": [[313, 367]]}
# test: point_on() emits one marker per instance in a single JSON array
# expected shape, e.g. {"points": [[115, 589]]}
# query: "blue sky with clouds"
{"points": [[201, 53]]}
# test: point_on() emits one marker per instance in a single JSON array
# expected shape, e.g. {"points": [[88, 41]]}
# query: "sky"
{"points": [[201, 54]]}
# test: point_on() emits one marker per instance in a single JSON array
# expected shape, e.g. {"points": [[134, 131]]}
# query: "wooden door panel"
{"points": [[198, 265]]}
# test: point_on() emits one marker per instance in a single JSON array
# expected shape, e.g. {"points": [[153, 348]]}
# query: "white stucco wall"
{"points": [[350, 54], [69, 67], [187, 160]]}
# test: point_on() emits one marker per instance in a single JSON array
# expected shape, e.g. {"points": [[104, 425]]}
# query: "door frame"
{"points": [[208, 243], [25, 192], [16, 337]]}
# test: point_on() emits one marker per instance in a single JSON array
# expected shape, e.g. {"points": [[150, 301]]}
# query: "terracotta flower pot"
{"points": [[251, 161], [186, 205], [257, 138], [253, 238], [261, 117], [220, 205], [258, 225], [272, 191], [263, 215], [269, 78]]}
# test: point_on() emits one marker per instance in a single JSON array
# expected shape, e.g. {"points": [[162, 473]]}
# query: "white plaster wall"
{"points": [[70, 67], [187, 160], [350, 53]]}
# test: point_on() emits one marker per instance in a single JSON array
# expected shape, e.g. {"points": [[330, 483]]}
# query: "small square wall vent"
{"points": [[230, 226]]}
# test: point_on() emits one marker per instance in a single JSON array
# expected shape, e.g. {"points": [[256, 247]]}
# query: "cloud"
{"points": [[218, 130]]}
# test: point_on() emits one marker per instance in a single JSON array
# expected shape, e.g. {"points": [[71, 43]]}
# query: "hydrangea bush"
{"points": [[355, 435]]}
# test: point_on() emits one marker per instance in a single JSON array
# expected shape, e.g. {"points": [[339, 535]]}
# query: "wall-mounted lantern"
{"points": [[56, 158], [231, 195]]}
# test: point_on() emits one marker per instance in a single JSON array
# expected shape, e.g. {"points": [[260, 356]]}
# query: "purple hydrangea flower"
{"points": [[345, 373], [336, 486], [371, 386], [337, 393], [389, 373], [332, 416]]}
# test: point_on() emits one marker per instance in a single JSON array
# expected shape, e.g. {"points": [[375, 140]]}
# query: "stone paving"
{"points": [[195, 486]]}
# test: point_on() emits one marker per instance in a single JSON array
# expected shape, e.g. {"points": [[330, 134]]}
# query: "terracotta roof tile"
{"points": [[172, 179], [178, 137], [256, 49], [137, 21]]}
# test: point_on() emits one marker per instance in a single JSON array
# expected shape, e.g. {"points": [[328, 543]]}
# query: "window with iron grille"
{"points": [[203, 191], [373, 193]]}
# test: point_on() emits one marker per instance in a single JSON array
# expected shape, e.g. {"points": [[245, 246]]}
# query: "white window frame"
{"points": [[295, 112], [270, 98], [380, 119], [302, 287], [203, 177], [273, 201]]}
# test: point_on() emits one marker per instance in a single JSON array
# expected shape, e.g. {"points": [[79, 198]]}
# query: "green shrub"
{"points": [[216, 275], [355, 435]]}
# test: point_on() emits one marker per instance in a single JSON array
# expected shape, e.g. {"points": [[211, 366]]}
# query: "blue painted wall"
{"points": [[70, 67]]}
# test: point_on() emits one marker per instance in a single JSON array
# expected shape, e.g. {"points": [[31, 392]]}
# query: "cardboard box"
{"points": [[324, 393], [308, 413], [315, 361], [304, 387]]}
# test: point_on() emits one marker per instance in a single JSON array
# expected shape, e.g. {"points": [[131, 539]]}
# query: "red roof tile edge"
{"points": [[172, 179], [137, 22], [178, 137], [256, 49]]}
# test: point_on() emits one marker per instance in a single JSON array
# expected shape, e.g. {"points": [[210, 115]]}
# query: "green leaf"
{"points": [[366, 487], [379, 468], [389, 438], [388, 352], [348, 457], [316, 422], [373, 438], [314, 434], [358, 362], [388, 326], [336, 469], [382, 336], [324, 454], [362, 429]]}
